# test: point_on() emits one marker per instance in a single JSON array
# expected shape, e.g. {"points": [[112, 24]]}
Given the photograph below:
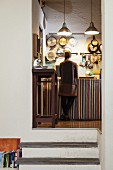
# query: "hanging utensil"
{"points": [[60, 52], [51, 41], [63, 41], [72, 41], [51, 56], [92, 49], [94, 42]]}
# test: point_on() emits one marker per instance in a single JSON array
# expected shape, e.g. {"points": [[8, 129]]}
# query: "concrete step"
{"points": [[60, 149], [61, 152], [58, 144], [64, 149], [58, 161], [59, 167], [62, 135]]}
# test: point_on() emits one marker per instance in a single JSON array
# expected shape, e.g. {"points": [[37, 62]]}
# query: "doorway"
{"points": [[79, 51]]}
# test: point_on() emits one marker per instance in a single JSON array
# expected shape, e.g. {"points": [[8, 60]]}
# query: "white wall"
{"points": [[16, 75], [15, 67], [107, 128]]}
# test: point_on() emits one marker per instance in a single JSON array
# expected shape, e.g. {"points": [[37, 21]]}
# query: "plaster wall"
{"points": [[16, 72], [16, 75], [15, 67], [107, 84]]}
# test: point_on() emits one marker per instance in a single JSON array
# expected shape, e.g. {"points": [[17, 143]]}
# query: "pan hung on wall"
{"points": [[91, 30], [64, 31]]}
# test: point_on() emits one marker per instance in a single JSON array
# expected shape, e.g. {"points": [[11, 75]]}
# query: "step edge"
{"points": [[57, 144], [58, 161]]}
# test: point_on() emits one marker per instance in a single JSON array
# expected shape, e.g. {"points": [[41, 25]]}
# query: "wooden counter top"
{"points": [[43, 70]]}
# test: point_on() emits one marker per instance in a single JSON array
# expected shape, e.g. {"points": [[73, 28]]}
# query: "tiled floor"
{"points": [[73, 124]]}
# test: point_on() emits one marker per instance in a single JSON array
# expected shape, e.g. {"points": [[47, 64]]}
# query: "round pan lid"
{"points": [[72, 41], [51, 56], [92, 49], [51, 41], [100, 48], [63, 41], [94, 42]]}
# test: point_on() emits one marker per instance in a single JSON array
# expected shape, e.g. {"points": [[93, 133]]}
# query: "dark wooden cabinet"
{"points": [[39, 78]]}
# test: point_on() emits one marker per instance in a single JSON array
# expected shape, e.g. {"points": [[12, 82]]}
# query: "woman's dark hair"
{"points": [[67, 55]]}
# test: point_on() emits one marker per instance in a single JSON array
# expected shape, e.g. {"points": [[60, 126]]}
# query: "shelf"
{"points": [[90, 53], [76, 33]]}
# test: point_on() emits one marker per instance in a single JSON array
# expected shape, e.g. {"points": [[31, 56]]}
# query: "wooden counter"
{"points": [[89, 99], [87, 105], [47, 103]]}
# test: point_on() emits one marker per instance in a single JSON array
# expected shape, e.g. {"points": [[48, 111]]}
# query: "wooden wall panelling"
{"points": [[36, 45]]}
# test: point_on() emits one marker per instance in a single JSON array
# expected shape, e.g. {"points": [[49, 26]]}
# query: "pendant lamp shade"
{"points": [[91, 30], [64, 30]]}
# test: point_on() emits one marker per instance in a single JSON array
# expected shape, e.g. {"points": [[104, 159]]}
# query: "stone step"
{"points": [[58, 161], [60, 149], [61, 152], [58, 144], [60, 167], [64, 149], [62, 135], [58, 164]]}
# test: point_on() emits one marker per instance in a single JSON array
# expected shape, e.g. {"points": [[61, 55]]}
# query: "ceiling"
{"points": [[77, 14]]}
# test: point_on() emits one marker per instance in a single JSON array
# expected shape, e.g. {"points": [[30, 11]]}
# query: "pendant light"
{"points": [[64, 31], [91, 30]]}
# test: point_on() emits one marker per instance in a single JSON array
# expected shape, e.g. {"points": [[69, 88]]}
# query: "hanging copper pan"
{"points": [[51, 56], [51, 41], [92, 49], [100, 48], [63, 41], [94, 42]]}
